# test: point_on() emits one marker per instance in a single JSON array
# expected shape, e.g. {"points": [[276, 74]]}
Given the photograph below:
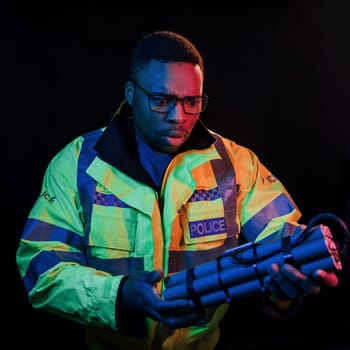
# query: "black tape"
{"points": [[286, 248], [221, 283], [190, 289]]}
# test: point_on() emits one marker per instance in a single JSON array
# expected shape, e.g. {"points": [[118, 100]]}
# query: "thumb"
{"points": [[151, 277]]}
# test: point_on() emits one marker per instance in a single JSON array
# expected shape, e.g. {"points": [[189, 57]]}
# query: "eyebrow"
{"points": [[164, 94], [173, 96]]}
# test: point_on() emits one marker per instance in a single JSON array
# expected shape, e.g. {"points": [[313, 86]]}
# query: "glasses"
{"points": [[162, 103]]}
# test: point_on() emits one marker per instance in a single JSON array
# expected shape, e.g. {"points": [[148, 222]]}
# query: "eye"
{"points": [[159, 100], [193, 101]]}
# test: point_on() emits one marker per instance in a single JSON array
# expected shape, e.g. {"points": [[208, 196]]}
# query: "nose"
{"points": [[177, 114]]}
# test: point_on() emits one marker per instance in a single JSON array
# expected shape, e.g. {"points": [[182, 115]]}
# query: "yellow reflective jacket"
{"points": [[100, 217]]}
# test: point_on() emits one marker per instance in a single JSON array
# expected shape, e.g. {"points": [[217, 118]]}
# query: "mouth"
{"points": [[174, 133], [172, 139]]}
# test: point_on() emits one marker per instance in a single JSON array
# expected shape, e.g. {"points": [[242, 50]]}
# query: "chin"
{"points": [[170, 149]]}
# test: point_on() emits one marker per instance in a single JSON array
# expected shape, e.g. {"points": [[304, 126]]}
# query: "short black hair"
{"points": [[164, 46]]}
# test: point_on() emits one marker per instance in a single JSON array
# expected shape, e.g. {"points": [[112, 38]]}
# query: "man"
{"points": [[153, 193]]}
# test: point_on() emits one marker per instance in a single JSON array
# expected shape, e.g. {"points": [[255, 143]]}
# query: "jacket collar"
{"points": [[117, 145]]}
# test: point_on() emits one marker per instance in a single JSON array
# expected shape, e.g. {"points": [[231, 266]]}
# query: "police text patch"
{"points": [[208, 227]]}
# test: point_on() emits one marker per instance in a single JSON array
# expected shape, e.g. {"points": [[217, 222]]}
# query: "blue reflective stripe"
{"points": [[86, 185], [37, 230], [280, 206], [287, 230], [120, 266], [44, 261]]}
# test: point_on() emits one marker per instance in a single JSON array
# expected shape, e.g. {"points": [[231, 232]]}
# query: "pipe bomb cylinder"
{"points": [[236, 278]]}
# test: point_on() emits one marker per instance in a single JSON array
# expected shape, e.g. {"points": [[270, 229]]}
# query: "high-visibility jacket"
{"points": [[99, 217]]}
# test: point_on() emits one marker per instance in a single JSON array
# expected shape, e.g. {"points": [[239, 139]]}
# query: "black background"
{"points": [[277, 74]]}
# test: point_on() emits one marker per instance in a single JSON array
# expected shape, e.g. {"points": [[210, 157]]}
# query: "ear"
{"points": [[129, 92]]}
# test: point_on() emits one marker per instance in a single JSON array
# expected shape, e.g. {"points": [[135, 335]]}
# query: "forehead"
{"points": [[174, 73]]}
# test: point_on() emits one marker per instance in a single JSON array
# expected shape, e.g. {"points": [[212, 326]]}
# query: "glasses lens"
{"points": [[162, 104], [194, 105], [191, 104]]}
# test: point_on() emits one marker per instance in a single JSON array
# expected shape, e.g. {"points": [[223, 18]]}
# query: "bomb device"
{"points": [[239, 272]]}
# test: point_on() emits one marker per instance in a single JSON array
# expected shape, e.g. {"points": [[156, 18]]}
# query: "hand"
{"points": [[286, 281], [140, 295]]}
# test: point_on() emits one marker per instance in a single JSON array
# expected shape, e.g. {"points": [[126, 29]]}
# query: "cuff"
{"points": [[128, 322]]}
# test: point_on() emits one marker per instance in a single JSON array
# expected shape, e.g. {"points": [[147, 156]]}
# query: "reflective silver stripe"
{"points": [[226, 180], [181, 260]]}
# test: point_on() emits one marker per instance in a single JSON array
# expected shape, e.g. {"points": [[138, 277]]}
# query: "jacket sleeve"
{"points": [[266, 212], [51, 252], [265, 208]]}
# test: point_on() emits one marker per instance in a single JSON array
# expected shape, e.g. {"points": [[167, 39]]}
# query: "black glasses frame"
{"points": [[150, 96]]}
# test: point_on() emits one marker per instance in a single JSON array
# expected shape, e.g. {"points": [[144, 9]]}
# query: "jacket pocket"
{"points": [[204, 222], [113, 232]]}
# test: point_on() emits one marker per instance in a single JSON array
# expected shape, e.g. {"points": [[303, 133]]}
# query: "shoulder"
{"points": [[236, 151], [70, 152]]}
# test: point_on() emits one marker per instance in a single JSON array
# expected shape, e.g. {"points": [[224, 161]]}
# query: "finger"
{"points": [[171, 315], [151, 277], [171, 307], [293, 273], [269, 282], [300, 281], [329, 279], [196, 318], [273, 288], [286, 282]]}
